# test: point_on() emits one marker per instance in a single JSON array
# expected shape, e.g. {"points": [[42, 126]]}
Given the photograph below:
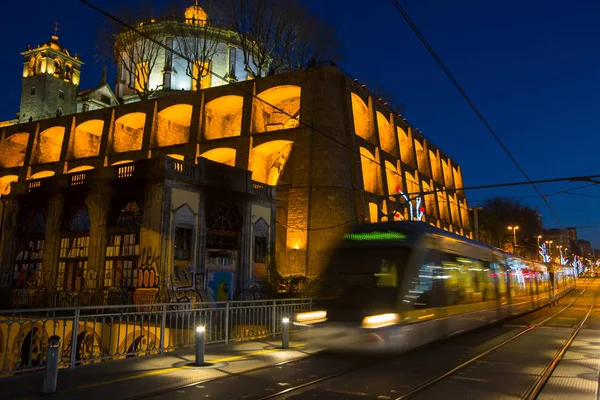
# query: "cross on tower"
{"points": [[55, 28]]}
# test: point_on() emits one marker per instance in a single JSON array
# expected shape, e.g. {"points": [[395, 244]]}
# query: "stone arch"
{"points": [[5, 182], [42, 175], [223, 155], [223, 117], [129, 132], [49, 145], [412, 183], [429, 199], [87, 139], [80, 169], [173, 125], [179, 157], [117, 163], [394, 178], [363, 120], [267, 118], [422, 162], [436, 167], [371, 172], [269, 159], [407, 154], [13, 149], [387, 138]]}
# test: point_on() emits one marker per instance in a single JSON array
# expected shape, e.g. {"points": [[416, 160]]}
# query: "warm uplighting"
{"points": [[312, 317], [296, 246], [380, 321]]}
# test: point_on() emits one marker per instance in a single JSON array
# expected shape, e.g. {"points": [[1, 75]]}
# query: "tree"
{"points": [[135, 54], [500, 213], [278, 36]]}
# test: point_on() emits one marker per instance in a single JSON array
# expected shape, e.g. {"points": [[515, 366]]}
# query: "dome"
{"points": [[53, 44], [195, 15]]}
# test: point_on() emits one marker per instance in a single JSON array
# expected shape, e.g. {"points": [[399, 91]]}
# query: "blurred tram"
{"points": [[400, 285]]}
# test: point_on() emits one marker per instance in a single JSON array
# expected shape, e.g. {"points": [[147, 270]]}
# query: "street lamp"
{"points": [[549, 248], [538, 247], [514, 229]]}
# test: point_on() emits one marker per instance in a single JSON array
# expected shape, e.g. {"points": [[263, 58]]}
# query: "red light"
{"points": [[398, 188], [422, 209]]}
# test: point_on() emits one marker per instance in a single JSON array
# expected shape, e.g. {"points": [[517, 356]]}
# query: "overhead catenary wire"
{"points": [[566, 191], [443, 66], [302, 123]]}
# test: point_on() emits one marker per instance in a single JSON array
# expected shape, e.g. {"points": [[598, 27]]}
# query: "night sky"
{"points": [[531, 67]]}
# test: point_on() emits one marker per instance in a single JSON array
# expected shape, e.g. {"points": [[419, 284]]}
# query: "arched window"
{"points": [[260, 249], [57, 68], [32, 66], [123, 248], [30, 251], [224, 224], [73, 271], [68, 73]]}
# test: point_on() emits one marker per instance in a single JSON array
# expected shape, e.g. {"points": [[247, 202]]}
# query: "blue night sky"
{"points": [[531, 67]]}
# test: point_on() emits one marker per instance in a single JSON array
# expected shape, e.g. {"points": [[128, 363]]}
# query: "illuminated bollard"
{"points": [[200, 342], [285, 333], [51, 371]]}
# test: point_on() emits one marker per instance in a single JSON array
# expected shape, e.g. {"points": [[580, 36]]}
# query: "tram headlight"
{"points": [[311, 317], [380, 321]]}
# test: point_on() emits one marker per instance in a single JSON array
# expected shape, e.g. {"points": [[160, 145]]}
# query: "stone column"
{"points": [[98, 203], [56, 204]]}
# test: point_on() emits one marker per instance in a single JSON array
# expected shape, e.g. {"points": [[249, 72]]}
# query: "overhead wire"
{"points": [[240, 87], [439, 61]]}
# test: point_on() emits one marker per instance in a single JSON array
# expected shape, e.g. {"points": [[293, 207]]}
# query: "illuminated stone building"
{"points": [[213, 56], [195, 192]]}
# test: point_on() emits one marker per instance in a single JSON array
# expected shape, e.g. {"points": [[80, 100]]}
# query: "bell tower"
{"points": [[50, 81]]}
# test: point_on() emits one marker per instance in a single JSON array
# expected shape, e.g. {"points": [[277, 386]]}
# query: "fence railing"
{"points": [[98, 334]]}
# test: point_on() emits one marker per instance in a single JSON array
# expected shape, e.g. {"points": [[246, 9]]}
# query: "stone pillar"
{"points": [[98, 203], [155, 231], [56, 205], [9, 209]]}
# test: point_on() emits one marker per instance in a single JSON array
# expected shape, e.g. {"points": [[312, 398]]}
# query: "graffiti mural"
{"points": [[148, 270], [220, 285]]}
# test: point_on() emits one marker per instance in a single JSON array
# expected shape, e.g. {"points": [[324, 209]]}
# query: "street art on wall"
{"points": [[220, 285]]}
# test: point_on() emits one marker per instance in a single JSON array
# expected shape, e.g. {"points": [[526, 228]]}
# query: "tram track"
{"points": [[427, 384], [420, 388]]}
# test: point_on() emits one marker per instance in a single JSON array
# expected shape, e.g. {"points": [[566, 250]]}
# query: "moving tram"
{"points": [[400, 285]]}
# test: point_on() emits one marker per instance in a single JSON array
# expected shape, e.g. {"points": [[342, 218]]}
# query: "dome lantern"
{"points": [[195, 15]]}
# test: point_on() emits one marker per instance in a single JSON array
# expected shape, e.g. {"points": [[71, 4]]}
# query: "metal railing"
{"points": [[118, 332]]}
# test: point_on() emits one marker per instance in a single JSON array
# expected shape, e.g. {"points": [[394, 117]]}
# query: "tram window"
{"points": [[468, 281], [426, 289], [498, 279]]}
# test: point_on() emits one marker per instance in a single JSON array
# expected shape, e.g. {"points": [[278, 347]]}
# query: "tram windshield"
{"points": [[365, 275]]}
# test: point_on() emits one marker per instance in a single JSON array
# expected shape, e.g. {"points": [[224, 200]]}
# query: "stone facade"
{"points": [[50, 81], [335, 154], [155, 229]]}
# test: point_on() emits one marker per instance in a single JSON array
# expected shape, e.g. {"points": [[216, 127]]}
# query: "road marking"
{"points": [[174, 369]]}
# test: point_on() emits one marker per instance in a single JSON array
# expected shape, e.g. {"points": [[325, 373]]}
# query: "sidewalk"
{"points": [[147, 375]]}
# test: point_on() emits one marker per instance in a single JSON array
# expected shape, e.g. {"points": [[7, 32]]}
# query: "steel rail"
{"points": [[536, 388], [429, 383]]}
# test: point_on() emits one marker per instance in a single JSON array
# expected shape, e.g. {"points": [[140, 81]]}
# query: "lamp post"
{"points": [[538, 246], [514, 229], [550, 248]]}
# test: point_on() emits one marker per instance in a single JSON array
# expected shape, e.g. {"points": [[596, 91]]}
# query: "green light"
{"points": [[370, 236]]}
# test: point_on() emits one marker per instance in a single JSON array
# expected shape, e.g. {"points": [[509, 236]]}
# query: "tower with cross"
{"points": [[50, 81]]}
